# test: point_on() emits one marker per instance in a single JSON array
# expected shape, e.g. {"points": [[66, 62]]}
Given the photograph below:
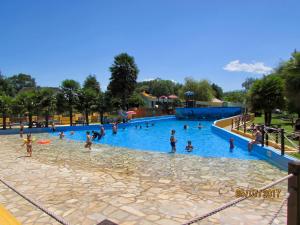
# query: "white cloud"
{"points": [[147, 79], [257, 67]]}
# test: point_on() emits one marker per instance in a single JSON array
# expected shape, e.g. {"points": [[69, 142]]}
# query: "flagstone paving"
{"points": [[130, 187]]}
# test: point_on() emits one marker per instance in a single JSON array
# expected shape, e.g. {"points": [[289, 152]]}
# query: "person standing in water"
{"points": [[21, 129], [102, 132], [88, 142], [28, 143], [114, 129], [173, 141]]}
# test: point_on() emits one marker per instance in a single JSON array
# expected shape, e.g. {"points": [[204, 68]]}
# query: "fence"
{"points": [[271, 136]]}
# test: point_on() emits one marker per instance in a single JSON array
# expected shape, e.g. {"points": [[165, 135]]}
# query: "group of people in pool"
{"points": [[189, 147], [98, 135]]}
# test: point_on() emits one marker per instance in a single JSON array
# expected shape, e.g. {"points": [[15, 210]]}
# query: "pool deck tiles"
{"points": [[130, 187]]}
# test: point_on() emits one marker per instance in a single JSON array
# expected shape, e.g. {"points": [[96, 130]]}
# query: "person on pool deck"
{"points": [[102, 132], [189, 146], [258, 138], [114, 129], [21, 129], [185, 127], [199, 126], [61, 135], [28, 143], [173, 141], [88, 142]]}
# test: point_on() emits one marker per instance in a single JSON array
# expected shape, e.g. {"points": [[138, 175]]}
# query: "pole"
{"points": [[282, 140], [293, 206], [244, 126], [231, 124], [267, 139], [238, 126]]}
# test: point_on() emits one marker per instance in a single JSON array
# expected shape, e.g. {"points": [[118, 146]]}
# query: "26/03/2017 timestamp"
{"points": [[255, 193]]}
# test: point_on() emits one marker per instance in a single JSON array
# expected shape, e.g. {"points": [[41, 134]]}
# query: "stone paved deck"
{"points": [[130, 187]]}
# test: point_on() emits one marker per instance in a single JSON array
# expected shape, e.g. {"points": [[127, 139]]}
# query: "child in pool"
{"points": [[173, 141], [88, 142], [189, 146], [114, 129], [61, 135], [199, 126], [72, 132], [185, 127], [28, 143]]}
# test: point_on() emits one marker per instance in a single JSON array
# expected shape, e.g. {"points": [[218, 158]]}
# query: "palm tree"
{"points": [[86, 97], [47, 102], [68, 96], [27, 103]]}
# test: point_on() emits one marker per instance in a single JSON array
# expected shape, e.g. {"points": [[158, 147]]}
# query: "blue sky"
{"points": [[222, 41]]}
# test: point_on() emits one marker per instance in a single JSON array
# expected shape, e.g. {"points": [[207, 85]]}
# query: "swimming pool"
{"points": [[156, 138]]}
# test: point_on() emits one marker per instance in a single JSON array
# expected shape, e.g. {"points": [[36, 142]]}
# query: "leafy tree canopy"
{"points": [[202, 89]]}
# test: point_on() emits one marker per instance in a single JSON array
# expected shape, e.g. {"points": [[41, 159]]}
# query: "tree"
{"points": [[87, 98], [291, 74], [5, 86], [247, 84], [68, 97], [21, 81], [92, 83], [47, 102], [202, 89], [218, 91], [267, 94], [123, 78], [238, 96], [27, 104], [136, 100], [5, 108]]}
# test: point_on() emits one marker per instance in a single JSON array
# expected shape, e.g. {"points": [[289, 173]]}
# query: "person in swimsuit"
{"points": [[114, 129], [61, 135], [21, 129], [185, 127], [95, 135], [199, 126], [102, 132], [173, 141], [28, 143], [258, 138], [189, 146], [231, 144], [88, 142], [53, 127]]}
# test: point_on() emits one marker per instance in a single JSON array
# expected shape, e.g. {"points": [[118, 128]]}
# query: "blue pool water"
{"points": [[156, 138]]}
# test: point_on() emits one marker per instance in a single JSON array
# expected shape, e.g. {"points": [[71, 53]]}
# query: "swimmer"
{"points": [[21, 129], [114, 129], [95, 135], [72, 132], [189, 146], [88, 142], [140, 127], [61, 135], [185, 127], [231, 144], [28, 143], [136, 127], [199, 126], [173, 141], [152, 124], [147, 124]]}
